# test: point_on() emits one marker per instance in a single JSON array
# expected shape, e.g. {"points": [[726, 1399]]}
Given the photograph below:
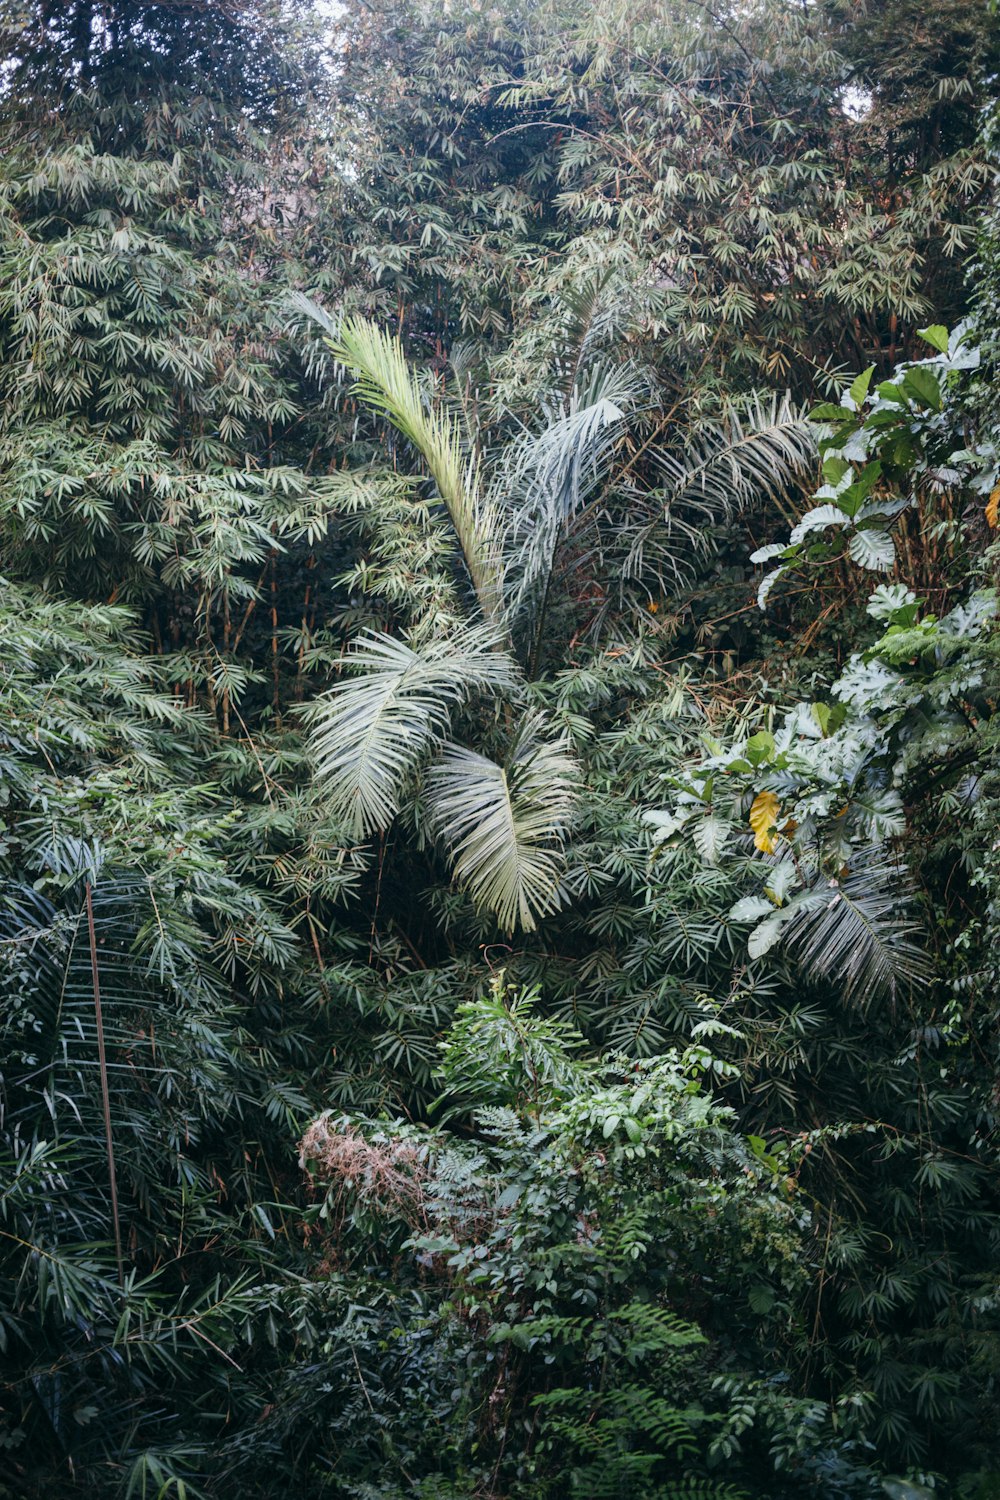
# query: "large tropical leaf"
{"points": [[386, 384], [371, 730], [504, 824]]}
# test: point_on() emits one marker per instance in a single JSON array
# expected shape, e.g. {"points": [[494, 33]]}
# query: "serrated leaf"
{"points": [[879, 813], [969, 618], [893, 602], [761, 1299], [709, 836], [764, 813]]}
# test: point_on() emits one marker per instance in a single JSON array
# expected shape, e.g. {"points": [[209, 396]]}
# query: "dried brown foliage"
{"points": [[385, 1175]]}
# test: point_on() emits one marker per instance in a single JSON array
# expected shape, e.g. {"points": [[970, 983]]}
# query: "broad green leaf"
{"points": [[666, 823], [751, 909], [759, 747], [827, 411], [834, 469], [829, 717], [859, 387], [821, 713], [818, 518], [772, 549], [767, 584], [764, 937], [780, 880], [761, 1299], [854, 497], [922, 386], [936, 334]]}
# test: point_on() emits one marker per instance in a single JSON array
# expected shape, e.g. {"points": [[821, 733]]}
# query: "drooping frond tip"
{"points": [[504, 824]]}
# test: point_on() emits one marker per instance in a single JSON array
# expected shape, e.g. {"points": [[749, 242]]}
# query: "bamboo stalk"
{"points": [[105, 1095]]}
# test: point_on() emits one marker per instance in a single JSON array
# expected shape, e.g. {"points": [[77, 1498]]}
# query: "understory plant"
{"points": [[609, 1270]]}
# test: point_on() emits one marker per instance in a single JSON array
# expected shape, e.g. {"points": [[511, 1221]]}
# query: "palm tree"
{"points": [[526, 513]]}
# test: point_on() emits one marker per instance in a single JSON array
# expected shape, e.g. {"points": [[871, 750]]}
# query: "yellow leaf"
{"points": [[993, 508], [764, 815]]}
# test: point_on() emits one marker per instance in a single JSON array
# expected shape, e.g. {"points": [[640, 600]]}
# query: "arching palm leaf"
{"points": [[548, 474], [372, 730], [503, 823], [386, 384], [761, 453], [861, 936]]}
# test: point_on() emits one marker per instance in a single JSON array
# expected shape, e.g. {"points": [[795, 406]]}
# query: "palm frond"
{"points": [[504, 824], [549, 474], [591, 311], [386, 383], [861, 938], [758, 454], [371, 730]]}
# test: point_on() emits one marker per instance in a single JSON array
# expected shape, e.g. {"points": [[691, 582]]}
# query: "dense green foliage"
{"points": [[498, 988]]}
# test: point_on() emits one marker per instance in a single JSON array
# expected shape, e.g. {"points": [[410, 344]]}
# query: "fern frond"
{"points": [[760, 453], [548, 475]]}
